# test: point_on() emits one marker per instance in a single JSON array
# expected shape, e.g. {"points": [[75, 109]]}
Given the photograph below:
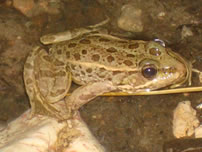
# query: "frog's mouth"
{"points": [[188, 67]]}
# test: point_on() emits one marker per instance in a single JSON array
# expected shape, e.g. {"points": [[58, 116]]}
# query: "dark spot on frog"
{"points": [[110, 79], [84, 52], [133, 46], [111, 50], [73, 67], [77, 56], [130, 55], [71, 45], [85, 41], [77, 75], [95, 57], [128, 62], [110, 58], [122, 42], [116, 72], [102, 69], [154, 51], [83, 73], [89, 70]]}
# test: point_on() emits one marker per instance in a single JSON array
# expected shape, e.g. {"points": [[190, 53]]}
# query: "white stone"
{"points": [[184, 120]]}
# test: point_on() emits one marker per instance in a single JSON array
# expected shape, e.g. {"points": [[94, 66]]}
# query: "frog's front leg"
{"points": [[86, 93], [46, 81]]}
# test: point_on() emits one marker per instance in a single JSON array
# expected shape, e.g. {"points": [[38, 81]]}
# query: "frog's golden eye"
{"points": [[149, 71]]}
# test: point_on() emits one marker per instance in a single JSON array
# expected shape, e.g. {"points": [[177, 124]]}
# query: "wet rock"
{"points": [[130, 19], [32, 8]]}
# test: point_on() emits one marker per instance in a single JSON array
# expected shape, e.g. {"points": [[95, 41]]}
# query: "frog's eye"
{"points": [[149, 71]]}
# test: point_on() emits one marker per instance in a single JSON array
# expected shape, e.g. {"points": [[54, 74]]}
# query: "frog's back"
{"points": [[103, 50], [95, 57]]}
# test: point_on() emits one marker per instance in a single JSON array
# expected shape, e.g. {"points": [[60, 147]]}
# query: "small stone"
{"points": [[24, 6], [32, 8], [186, 32], [161, 15], [130, 19]]}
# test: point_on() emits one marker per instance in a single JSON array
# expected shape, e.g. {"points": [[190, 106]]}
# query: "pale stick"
{"points": [[167, 91]]}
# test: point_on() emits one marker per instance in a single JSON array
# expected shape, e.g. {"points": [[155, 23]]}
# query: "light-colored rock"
{"points": [[130, 19], [184, 120], [42, 133]]}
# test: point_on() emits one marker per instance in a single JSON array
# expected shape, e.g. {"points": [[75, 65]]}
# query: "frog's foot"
{"points": [[46, 82], [84, 94], [70, 34]]}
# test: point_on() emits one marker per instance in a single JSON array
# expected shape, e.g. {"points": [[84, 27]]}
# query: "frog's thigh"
{"points": [[52, 79], [45, 87], [86, 93]]}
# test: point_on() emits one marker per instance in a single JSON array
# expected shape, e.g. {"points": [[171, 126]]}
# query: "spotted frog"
{"points": [[100, 63]]}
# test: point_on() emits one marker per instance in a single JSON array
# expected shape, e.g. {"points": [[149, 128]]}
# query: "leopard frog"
{"points": [[99, 63]]}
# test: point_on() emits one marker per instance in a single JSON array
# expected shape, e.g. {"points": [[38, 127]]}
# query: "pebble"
{"points": [[130, 19], [31, 8], [186, 32]]}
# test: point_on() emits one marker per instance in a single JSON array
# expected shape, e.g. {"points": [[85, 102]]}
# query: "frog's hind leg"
{"points": [[45, 83]]}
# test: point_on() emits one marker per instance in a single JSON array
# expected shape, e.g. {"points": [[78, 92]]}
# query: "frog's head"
{"points": [[161, 67]]}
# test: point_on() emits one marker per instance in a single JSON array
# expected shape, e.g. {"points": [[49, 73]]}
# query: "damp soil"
{"points": [[121, 124]]}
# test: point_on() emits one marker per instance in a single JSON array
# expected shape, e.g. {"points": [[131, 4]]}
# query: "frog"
{"points": [[99, 62]]}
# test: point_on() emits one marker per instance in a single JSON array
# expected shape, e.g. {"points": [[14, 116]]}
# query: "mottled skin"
{"points": [[100, 63]]}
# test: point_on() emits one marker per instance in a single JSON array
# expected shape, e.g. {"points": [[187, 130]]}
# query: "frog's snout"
{"points": [[181, 70], [183, 74]]}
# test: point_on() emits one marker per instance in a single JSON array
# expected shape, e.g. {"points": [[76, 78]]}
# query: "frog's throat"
{"points": [[188, 66]]}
